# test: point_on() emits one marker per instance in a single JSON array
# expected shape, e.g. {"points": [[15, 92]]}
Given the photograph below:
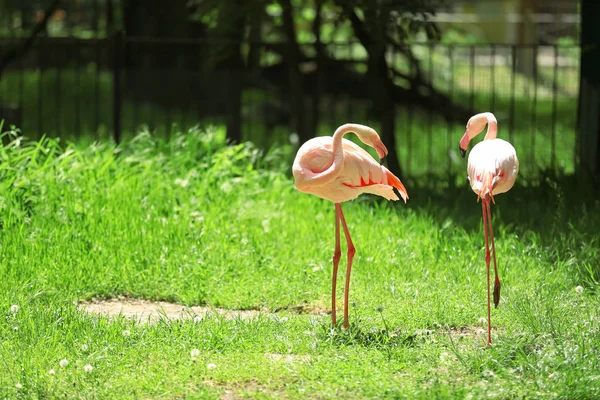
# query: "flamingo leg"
{"points": [[497, 280], [336, 260], [487, 262], [351, 252]]}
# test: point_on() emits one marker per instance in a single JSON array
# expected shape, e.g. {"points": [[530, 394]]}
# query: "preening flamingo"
{"points": [[336, 169], [492, 169]]}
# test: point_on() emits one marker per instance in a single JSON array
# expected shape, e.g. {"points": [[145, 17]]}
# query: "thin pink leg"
{"points": [[336, 260], [497, 280], [351, 252], [487, 262]]}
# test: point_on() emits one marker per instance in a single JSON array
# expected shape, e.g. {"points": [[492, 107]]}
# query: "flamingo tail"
{"points": [[395, 182], [487, 186]]}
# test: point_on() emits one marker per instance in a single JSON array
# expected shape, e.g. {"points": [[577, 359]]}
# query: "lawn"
{"points": [[196, 222]]}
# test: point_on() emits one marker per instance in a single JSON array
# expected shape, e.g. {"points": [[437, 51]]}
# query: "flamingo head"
{"points": [[475, 125]]}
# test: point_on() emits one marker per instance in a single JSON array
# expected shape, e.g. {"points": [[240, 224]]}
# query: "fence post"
{"points": [[589, 90], [117, 49]]}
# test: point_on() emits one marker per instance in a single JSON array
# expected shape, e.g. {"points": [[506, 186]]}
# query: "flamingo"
{"points": [[492, 169], [336, 169]]}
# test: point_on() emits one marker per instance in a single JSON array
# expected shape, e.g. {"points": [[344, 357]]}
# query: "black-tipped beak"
{"points": [[381, 161], [463, 152]]}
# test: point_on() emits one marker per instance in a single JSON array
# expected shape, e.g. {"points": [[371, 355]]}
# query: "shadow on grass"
{"points": [[560, 213]]}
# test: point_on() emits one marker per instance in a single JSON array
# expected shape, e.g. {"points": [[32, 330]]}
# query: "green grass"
{"points": [[194, 221]]}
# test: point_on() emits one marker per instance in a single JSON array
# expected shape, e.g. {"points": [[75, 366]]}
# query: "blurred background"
{"points": [[278, 72]]}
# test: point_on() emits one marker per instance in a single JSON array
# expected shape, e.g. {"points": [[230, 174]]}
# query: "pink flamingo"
{"points": [[338, 170], [492, 169]]}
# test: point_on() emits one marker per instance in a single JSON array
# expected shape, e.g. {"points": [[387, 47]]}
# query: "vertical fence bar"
{"points": [[169, 72], [451, 97], [133, 80], [96, 17], [534, 105], [22, 82], [512, 92], [349, 104], [554, 107], [96, 84], [472, 78], [78, 87], [493, 77], [40, 90], [117, 44], [58, 55], [409, 121], [429, 114]]}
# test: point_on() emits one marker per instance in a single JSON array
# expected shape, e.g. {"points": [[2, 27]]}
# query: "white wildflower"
{"points": [[195, 353], [579, 289], [84, 347], [63, 363], [126, 332], [482, 320], [182, 182], [51, 372], [88, 368], [211, 366], [19, 386], [14, 308]]}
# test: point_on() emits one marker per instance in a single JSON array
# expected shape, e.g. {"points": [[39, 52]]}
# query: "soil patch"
{"points": [[153, 311]]}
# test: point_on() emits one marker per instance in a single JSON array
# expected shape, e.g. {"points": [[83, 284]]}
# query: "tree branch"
{"points": [[18, 51]]}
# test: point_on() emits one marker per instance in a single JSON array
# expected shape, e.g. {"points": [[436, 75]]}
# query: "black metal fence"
{"points": [[72, 87]]}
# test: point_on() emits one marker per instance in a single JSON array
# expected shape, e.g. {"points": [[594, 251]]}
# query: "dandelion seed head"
{"points": [[579, 289], [482, 320], [14, 308], [126, 332], [63, 363], [88, 368], [195, 353]]}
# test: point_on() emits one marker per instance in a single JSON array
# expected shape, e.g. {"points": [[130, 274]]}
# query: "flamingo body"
{"points": [[495, 159], [360, 172]]}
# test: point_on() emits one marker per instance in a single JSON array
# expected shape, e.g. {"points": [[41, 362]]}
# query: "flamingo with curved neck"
{"points": [[338, 170], [492, 169]]}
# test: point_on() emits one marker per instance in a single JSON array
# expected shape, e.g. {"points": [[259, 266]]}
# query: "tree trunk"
{"points": [[589, 93], [294, 75], [227, 59], [383, 103], [318, 88]]}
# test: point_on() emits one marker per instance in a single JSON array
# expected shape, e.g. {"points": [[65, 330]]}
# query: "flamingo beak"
{"points": [[463, 152]]}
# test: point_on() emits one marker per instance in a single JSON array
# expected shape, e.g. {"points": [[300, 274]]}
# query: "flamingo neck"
{"points": [[492, 126], [338, 155]]}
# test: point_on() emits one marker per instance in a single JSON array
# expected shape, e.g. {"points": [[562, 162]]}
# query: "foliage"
{"points": [[198, 222]]}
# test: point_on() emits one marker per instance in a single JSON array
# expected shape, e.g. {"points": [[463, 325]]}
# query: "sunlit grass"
{"points": [[196, 222]]}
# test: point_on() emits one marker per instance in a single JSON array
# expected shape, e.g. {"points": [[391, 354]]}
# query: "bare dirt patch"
{"points": [[153, 311], [288, 358]]}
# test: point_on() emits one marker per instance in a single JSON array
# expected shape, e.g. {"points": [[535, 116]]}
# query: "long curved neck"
{"points": [[492, 126], [337, 149]]}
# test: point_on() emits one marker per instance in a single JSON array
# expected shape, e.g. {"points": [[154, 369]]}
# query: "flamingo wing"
{"points": [[365, 174]]}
